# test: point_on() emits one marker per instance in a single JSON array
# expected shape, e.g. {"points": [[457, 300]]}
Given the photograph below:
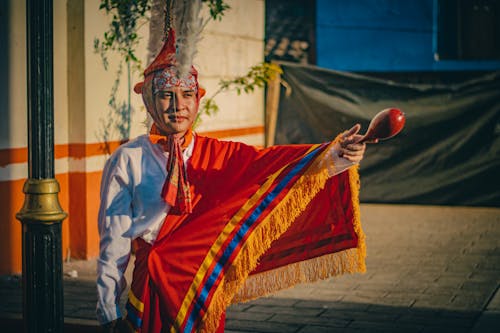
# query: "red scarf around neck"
{"points": [[175, 190]]}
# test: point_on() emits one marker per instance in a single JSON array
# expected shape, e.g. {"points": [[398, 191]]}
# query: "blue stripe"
{"points": [[132, 316], [241, 234]]}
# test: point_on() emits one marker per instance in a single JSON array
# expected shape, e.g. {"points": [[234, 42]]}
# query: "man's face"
{"points": [[176, 109]]}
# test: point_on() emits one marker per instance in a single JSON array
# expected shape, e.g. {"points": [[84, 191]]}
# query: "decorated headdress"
{"points": [[164, 71], [173, 64]]}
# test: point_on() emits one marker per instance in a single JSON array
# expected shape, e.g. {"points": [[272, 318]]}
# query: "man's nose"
{"points": [[179, 101]]}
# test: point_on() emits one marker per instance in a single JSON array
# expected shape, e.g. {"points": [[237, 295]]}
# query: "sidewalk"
{"points": [[429, 269]]}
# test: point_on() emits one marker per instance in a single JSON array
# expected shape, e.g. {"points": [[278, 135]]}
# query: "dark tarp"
{"points": [[447, 154]]}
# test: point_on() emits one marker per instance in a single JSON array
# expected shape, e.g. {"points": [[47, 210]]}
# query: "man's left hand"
{"points": [[350, 148]]}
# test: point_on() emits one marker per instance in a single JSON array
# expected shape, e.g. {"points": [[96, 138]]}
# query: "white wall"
{"points": [[99, 82], [228, 49], [14, 106], [16, 111], [60, 73]]}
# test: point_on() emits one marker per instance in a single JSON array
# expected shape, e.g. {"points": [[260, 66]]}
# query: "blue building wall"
{"points": [[382, 35]]}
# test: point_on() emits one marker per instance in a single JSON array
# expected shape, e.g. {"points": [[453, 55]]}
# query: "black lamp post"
{"points": [[41, 215]]}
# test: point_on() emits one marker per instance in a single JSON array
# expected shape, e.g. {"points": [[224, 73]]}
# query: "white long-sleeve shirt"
{"points": [[132, 207]]}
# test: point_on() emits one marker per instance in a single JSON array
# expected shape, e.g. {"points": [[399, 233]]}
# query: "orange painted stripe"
{"points": [[73, 150], [83, 150], [13, 155]]}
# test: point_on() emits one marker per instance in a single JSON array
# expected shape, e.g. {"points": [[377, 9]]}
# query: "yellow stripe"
{"points": [[219, 242], [135, 301]]}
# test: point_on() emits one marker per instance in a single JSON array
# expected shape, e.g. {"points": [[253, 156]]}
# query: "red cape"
{"points": [[262, 220]]}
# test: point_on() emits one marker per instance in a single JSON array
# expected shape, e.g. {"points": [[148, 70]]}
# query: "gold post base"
{"points": [[41, 203]]}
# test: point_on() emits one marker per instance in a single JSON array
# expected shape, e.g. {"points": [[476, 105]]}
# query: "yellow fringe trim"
{"points": [[270, 229], [311, 270], [355, 185]]}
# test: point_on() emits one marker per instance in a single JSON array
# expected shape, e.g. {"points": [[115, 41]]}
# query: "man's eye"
{"points": [[165, 95], [188, 94]]}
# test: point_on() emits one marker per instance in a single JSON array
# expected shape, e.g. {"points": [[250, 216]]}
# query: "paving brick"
{"points": [[436, 319], [472, 286], [328, 295], [386, 276], [363, 299], [319, 321], [319, 329], [239, 307], [286, 310], [373, 294], [251, 316], [334, 289], [461, 270], [341, 314], [485, 275], [348, 306], [489, 322], [361, 315], [368, 288], [315, 304], [470, 314], [444, 329], [478, 251], [324, 329], [436, 289], [270, 301], [385, 326], [448, 281], [410, 286], [399, 298], [381, 308], [381, 330], [466, 303], [261, 326], [433, 302], [438, 260], [494, 302], [340, 281]]}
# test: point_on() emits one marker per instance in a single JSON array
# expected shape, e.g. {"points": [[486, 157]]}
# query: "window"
{"points": [[468, 30]]}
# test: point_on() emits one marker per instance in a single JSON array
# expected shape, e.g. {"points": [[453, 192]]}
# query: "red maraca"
{"points": [[386, 124]]}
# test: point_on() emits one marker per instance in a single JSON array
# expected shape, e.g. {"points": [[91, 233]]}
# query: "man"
{"points": [[217, 222]]}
